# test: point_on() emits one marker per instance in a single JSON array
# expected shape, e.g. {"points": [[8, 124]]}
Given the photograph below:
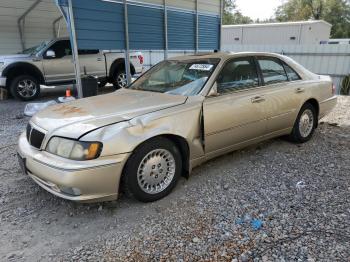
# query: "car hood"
{"points": [[75, 118]]}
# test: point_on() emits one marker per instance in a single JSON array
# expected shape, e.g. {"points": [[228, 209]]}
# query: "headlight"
{"points": [[73, 149]]}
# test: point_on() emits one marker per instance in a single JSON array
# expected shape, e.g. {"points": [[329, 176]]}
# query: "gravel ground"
{"points": [[275, 201]]}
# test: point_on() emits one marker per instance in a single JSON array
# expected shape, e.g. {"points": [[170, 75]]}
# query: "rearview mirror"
{"points": [[50, 54], [214, 90]]}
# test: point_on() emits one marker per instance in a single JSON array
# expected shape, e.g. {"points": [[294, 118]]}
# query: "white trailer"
{"points": [[289, 33]]}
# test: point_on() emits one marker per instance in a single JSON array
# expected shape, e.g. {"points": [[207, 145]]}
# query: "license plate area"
{"points": [[22, 164]]}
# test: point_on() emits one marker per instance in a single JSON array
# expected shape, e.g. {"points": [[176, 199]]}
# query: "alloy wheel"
{"points": [[156, 171], [27, 88], [306, 123]]}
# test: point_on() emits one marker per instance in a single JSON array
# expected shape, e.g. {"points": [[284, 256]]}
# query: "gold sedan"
{"points": [[180, 113]]}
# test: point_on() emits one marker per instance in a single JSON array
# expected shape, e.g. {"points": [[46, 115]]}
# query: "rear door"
{"points": [[92, 62], [237, 114], [282, 92]]}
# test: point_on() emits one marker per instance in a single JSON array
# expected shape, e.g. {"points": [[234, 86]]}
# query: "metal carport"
{"points": [[142, 25], [25, 23]]}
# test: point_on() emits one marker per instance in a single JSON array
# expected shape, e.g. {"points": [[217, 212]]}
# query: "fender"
{"points": [[23, 68]]}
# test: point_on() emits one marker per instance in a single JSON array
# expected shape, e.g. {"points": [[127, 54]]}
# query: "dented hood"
{"points": [[75, 118]]}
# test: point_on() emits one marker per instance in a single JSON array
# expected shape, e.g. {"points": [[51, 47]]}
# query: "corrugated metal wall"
{"points": [[181, 30], [333, 60], [38, 24], [100, 24]]}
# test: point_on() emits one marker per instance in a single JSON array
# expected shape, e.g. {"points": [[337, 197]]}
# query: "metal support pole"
{"points": [[73, 40], [127, 48], [54, 31], [221, 14], [165, 30], [21, 22], [197, 29]]}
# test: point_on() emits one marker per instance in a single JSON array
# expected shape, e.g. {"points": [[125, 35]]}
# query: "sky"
{"points": [[255, 9]]}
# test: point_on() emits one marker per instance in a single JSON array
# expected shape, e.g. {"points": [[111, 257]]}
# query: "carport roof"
{"points": [[39, 17]]}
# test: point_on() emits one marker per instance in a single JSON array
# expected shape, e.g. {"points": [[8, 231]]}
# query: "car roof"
{"points": [[223, 55]]}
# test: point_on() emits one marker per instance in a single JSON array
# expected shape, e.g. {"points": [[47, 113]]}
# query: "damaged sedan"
{"points": [[180, 113]]}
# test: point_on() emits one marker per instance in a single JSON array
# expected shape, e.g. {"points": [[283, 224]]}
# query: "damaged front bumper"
{"points": [[83, 181]]}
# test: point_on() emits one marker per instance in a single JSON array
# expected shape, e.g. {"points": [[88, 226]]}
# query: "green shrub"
{"points": [[345, 86]]}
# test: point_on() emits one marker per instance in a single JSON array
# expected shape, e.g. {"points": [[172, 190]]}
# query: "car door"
{"points": [[92, 62], [282, 89], [236, 114], [59, 68]]}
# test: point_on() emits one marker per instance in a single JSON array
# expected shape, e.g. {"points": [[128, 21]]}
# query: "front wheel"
{"points": [[305, 124], [25, 88], [152, 170]]}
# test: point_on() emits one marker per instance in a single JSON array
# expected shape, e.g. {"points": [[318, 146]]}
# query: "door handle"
{"points": [[299, 90], [99, 59], [258, 99]]}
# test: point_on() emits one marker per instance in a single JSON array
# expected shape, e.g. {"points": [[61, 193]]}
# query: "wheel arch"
{"points": [[22, 68], [119, 64], [183, 146], [316, 105]]}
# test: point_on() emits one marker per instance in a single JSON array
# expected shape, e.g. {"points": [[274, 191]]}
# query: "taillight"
{"points": [[140, 57], [333, 89]]}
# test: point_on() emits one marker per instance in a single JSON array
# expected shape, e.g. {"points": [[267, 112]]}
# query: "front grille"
{"points": [[34, 136]]}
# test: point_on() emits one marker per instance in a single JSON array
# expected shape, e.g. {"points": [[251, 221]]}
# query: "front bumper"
{"points": [[83, 181], [2, 81]]}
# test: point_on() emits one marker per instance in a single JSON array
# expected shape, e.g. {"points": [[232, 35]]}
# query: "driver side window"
{"points": [[238, 74], [61, 48]]}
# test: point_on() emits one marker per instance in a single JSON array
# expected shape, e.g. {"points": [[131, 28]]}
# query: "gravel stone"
{"points": [[208, 217]]}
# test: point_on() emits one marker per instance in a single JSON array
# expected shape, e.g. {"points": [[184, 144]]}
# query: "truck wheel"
{"points": [[25, 88], [120, 79]]}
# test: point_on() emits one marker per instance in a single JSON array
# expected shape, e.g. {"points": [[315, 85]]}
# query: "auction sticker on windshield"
{"points": [[201, 67]]}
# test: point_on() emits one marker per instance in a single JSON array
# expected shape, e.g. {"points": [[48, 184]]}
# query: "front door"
{"points": [[237, 114], [59, 68]]}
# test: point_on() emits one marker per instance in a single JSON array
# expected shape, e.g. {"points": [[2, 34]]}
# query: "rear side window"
{"points": [[88, 52], [238, 74], [292, 75], [272, 71]]}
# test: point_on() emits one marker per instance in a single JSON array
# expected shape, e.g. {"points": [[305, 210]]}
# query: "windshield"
{"points": [[34, 49], [177, 77]]}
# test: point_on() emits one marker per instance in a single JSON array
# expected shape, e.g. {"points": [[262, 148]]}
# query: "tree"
{"points": [[335, 12], [232, 15]]}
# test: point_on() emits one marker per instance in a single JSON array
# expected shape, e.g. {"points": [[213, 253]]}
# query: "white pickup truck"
{"points": [[50, 63]]}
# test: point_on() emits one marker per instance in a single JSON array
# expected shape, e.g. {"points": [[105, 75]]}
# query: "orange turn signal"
{"points": [[94, 150]]}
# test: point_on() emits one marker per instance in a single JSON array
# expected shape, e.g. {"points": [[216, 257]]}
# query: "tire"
{"points": [[305, 124], [119, 79], [144, 176], [25, 88]]}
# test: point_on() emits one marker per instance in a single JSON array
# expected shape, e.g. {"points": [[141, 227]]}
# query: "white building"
{"points": [[289, 33]]}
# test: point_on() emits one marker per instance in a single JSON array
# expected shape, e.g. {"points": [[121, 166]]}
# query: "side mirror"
{"points": [[50, 54], [214, 90]]}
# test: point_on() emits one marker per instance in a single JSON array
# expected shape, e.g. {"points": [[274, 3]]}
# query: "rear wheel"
{"points": [[152, 170], [120, 79], [305, 124], [25, 88]]}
